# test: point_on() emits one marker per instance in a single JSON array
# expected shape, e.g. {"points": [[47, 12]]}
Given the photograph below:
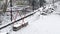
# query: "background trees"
{"points": [[42, 2], [36, 3]]}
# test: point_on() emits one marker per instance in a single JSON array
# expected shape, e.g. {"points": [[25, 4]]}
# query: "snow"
{"points": [[5, 20], [18, 24], [3, 33], [41, 25], [49, 24]]}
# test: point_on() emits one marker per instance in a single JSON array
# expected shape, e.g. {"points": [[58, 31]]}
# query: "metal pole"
{"points": [[11, 8]]}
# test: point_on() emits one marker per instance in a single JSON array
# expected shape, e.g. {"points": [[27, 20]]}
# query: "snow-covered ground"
{"points": [[41, 25], [48, 24], [57, 9]]}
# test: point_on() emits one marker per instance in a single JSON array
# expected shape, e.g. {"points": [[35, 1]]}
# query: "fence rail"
{"points": [[19, 20]]}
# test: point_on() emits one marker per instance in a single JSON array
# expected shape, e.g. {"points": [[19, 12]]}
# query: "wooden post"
{"points": [[11, 8]]}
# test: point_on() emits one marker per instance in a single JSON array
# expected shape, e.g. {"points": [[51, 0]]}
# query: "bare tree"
{"points": [[3, 11], [5, 6]]}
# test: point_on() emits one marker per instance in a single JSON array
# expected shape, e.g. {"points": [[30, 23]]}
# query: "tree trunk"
{"points": [[5, 6]]}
